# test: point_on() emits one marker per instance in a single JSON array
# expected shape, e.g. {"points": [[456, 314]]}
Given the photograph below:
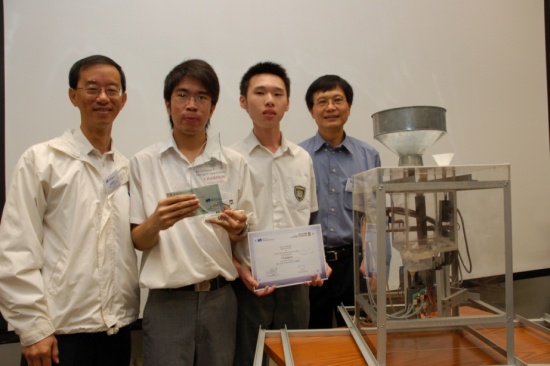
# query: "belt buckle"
{"points": [[202, 286], [331, 255]]}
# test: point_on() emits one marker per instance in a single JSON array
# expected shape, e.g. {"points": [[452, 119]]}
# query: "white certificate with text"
{"points": [[287, 257]]}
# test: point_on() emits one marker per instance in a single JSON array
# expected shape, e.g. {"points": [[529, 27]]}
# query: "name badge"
{"points": [[211, 174], [112, 182]]}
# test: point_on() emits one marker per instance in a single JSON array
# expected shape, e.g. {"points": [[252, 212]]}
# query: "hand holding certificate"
{"points": [[288, 256]]}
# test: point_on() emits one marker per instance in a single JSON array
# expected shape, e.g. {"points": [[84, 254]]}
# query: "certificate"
{"points": [[288, 256]]}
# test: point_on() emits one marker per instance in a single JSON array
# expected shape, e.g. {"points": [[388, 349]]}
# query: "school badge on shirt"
{"points": [[299, 192]]}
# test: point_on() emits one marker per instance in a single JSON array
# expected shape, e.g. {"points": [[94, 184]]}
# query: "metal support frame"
{"points": [[357, 335], [447, 299]]}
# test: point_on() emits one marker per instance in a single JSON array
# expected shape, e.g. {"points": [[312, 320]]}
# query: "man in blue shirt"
{"points": [[336, 158]]}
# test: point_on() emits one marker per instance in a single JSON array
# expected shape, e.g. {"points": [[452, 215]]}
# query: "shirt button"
{"points": [[334, 170], [333, 190]]}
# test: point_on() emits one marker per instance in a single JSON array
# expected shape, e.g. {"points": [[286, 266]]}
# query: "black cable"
{"points": [[466, 244]]}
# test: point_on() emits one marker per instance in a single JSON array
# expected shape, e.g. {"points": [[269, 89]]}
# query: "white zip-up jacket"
{"points": [[67, 262]]}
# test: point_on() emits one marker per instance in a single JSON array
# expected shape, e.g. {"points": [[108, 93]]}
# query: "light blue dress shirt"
{"points": [[333, 167]]}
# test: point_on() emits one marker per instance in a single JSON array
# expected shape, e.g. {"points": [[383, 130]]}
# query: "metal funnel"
{"points": [[409, 131]]}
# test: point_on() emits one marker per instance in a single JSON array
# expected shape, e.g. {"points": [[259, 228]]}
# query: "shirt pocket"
{"points": [[297, 192]]}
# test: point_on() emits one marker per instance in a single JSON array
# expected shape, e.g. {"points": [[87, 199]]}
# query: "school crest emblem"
{"points": [[299, 193]]}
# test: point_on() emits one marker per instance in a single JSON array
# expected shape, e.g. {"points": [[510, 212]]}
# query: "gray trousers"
{"points": [[189, 328]]}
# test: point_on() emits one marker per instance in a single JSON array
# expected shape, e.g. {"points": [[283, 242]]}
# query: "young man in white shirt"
{"points": [[191, 311], [284, 190]]}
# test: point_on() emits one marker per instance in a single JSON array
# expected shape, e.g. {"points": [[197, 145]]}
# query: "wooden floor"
{"points": [[423, 348]]}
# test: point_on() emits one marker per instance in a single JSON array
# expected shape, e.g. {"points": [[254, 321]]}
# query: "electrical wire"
{"points": [[412, 310], [407, 313], [469, 269]]}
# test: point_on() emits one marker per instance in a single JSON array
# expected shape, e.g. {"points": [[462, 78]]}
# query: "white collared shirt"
{"points": [[284, 186], [192, 250]]}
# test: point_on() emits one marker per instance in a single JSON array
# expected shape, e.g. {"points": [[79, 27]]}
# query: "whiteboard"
{"points": [[483, 61]]}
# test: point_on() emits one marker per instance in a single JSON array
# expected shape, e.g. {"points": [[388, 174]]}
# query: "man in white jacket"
{"points": [[68, 269]]}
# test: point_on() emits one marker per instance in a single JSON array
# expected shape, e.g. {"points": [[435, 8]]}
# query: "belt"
{"points": [[334, 254], [208, 285]]}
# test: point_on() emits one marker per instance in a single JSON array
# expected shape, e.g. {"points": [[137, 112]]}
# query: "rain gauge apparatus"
{"points": [[425, 211], [421, 208]]}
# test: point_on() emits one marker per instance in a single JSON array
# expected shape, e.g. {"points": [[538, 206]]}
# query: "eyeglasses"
{"points": [[324, 102], [184, 99], [93, 92]]}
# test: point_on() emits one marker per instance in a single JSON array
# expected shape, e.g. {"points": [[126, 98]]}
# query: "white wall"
{"points": [[484, 61]]}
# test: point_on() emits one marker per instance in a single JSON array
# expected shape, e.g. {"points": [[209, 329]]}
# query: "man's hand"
{"points": [[371, 279], [173, 209], [169, 211], [316, 279], [246, 276], [233, 221], [42, 353]]}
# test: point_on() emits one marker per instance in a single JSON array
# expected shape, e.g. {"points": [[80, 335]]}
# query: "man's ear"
{"points": [[243, 103], [72, 96]]}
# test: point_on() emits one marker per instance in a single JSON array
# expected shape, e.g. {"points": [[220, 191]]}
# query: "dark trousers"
{"points": [[93, 349], [336, 290], [286, 306]]}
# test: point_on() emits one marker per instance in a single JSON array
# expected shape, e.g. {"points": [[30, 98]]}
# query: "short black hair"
{"points": [[195, 69], [74, 73], [266, 67], [326, 83]]}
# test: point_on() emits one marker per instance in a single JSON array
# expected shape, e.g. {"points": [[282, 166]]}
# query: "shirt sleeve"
{"points": [[137, 208]]}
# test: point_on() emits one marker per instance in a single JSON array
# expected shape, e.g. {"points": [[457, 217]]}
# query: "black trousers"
{"points": [[93, 349], [338, 289]]}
